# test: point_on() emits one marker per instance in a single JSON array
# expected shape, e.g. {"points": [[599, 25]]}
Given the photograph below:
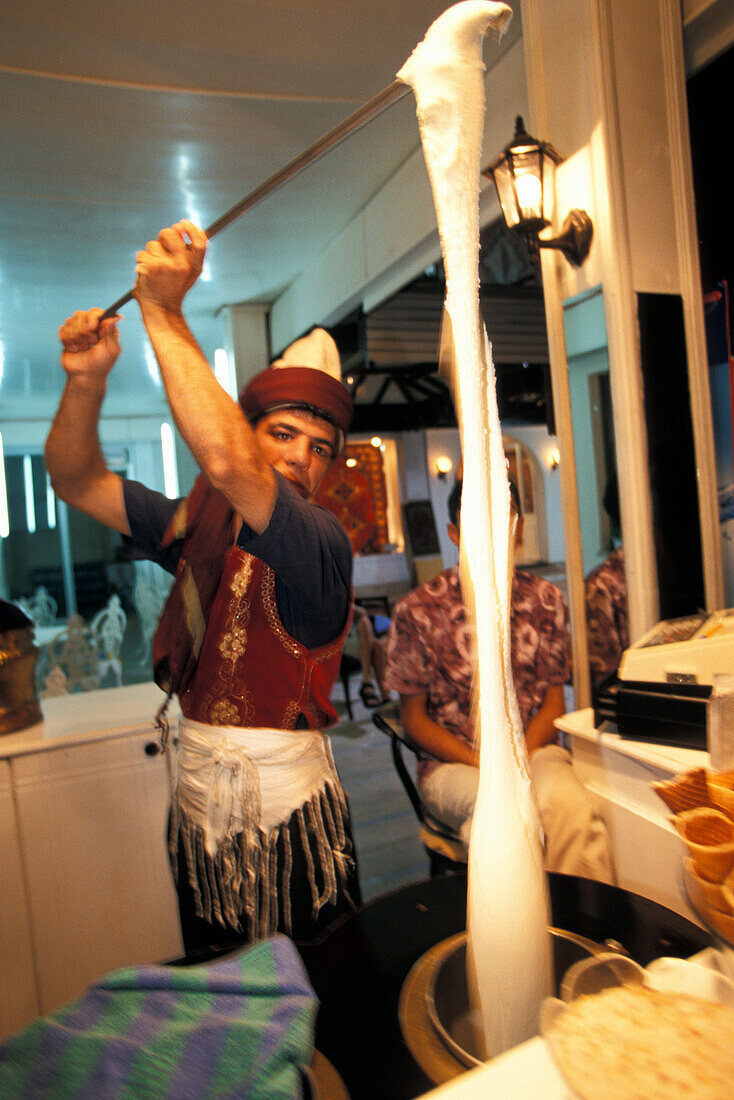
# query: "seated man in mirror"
{"points": [[251, 635], [606, 600], [429, 662]]}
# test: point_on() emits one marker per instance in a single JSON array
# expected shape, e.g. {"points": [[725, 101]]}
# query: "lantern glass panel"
{"points": [[505, 183], [549, 188], [528, 183]]}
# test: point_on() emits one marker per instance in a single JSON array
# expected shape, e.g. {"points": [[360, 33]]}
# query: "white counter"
{"points": [[527, 1072], [618, 773], [87, 716], [86, 881], [666, 758]]}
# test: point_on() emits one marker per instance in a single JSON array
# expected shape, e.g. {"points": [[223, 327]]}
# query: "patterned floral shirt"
{"points": [[606, 616], [429, 648]]}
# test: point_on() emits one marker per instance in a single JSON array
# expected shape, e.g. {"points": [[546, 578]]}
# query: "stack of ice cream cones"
{"points": [[703, 814]]}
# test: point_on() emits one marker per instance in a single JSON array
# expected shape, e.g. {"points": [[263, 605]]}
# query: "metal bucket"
{"points": [[448, 998], [19, 705]]}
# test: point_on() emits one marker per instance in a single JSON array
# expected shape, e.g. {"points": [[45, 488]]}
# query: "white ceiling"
{"points": [[120, 118]]}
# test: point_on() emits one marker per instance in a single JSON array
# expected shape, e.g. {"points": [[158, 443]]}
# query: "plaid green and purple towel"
{"points": [[239, 1027]]}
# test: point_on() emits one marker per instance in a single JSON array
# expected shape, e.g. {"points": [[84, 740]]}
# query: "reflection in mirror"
{"points": [[524, 470], [78, 563], [606, 598], [596, 474], [720, 357]]}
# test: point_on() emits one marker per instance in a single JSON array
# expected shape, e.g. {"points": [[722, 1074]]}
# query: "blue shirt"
{"points": [[304, 544]]}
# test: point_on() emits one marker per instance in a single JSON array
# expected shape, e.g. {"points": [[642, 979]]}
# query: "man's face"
{"points": [[298, 445]]}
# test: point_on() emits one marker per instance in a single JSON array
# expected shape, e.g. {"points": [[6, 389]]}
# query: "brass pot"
{"points": [[435, 1015], [19, 705]]}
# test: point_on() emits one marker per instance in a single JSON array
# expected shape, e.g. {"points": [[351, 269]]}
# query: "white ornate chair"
{"points": [[149, 596], [74, 652], [108, 628], [41, 607], [54, 683]]}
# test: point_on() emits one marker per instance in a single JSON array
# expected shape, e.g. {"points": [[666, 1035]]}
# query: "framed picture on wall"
{"points": [[421, 528]]}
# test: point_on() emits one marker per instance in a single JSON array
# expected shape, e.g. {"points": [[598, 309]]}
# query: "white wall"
{"points": [[538, 440], [445, 441], [442, 441]]}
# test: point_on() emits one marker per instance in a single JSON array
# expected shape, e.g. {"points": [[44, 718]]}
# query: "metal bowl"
{"points": [[448, 998]]}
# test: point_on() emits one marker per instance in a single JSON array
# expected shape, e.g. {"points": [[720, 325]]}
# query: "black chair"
{"points": [[348, 666], [445, 851]]}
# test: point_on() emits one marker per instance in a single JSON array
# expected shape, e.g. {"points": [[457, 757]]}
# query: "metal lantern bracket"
{"points": [[575, 238]]}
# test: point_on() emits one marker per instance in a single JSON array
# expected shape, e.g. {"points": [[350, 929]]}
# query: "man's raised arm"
{"points": [[213, 425], [74, 459]]}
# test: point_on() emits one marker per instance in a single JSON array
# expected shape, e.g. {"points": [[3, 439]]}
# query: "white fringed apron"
{"points": [[234, 793]]}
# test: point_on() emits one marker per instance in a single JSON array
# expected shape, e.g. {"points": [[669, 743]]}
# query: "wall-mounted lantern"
{"points": [[525, 180]]}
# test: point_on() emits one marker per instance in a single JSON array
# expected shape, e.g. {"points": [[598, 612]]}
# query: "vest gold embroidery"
{"points": [[224, 713], [226, 707], [235, 685], [271, 610]]}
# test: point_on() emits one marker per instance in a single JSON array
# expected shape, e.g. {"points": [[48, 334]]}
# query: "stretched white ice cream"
{"points": [[509, 957]]}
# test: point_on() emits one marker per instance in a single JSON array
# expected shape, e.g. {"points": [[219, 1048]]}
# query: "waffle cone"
{"points": [[709, 836], [723, 923], [684, 792], [721, 791], [727, 890], [705, 895]]}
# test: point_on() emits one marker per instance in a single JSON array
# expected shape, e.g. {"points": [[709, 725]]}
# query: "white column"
{"points": [[67, 562], [246, 339], [3, 578]]}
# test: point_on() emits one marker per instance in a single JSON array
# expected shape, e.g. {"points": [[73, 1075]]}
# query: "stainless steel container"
{"points": [[19, 705], [448, 996]]}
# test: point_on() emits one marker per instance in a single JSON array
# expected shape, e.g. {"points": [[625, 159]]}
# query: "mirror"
{"points": [[596, 476]]}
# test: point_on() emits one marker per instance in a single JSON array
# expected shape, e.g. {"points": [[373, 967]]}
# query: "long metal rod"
{"points": [[369, 110]]}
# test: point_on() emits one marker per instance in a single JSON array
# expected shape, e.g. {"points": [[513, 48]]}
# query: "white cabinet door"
{"points": [[92, 825], [18, 1001]]}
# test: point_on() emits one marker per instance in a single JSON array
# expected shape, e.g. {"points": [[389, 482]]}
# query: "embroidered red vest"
{"points": [[250, 671]]}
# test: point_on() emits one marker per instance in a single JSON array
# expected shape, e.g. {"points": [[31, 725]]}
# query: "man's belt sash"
{"points": [[236, 791]]}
